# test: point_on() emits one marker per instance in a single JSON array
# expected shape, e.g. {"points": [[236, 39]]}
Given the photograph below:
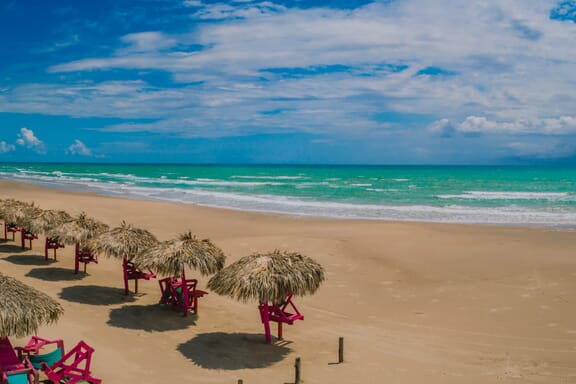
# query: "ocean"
{"points": [[516, 196]]}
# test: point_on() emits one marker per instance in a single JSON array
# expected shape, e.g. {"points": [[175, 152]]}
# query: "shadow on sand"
{"points": [[95, 295], [232, 351], [55, 274], [12, 248], [150, 318], [28, 260]]}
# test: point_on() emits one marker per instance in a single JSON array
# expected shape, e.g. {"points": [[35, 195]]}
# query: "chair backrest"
{"points": [[8, 356], [49, 358]]}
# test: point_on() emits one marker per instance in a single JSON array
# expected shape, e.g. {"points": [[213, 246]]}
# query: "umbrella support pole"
{"points": [[185, 292], [76, 259]]}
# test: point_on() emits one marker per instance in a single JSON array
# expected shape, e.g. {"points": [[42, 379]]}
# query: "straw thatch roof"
{"points": [[79, 230], [24, 309], [47, 220], [268, 277], [173, 256], [123, 241], [19, 212]]}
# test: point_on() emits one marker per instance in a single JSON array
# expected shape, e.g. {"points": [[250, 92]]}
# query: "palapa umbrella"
{"points": [[5, 215], [270, 277], [172, 257], [125, 242], [78, 232], [45, 222], [19, 214], [24, 309]]}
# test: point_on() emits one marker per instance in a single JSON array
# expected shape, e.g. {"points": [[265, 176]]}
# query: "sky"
{"points": [[288, 81]]}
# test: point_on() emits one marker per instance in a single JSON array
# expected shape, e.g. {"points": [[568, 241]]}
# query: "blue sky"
{"points": [[288, 81]]}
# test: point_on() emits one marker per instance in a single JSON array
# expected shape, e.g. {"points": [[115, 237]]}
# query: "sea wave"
{"points": [[200, 192], [505, 195]]}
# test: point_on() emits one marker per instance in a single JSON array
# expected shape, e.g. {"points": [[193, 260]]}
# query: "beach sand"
{"points": [[415, 302]]}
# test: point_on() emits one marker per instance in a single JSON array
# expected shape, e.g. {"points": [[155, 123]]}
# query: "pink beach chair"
{"points": [[278, 312], [73, 367], [131, 272]]}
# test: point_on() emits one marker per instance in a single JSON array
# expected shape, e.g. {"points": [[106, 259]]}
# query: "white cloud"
{"points": [[147, 42], [27, 139], [563, 125], [5, 147], [79, 148], [507, 60]]}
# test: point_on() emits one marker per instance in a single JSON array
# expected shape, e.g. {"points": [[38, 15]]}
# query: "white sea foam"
{"points": [[268, 177], [485, 195], [136, 187]]}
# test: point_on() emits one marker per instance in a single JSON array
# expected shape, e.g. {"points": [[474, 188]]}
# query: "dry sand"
{"points": [[415, 302]]}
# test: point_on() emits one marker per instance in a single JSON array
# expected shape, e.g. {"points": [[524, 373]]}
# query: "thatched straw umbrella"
{"points": [[125, 242], [45, 222], [19, 214], [270, 277], [78, 232], [173, 257], [24, 309], [5, 215]]}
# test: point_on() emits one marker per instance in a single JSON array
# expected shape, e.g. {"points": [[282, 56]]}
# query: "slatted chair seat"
{"points": [[12, 228], [84, 256], [52, 243], [278, 312], [27, 235], [73, 367], [131, 272]]}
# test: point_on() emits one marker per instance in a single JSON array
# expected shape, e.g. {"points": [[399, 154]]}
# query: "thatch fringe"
{"points": [[24, 309], [173, 256], [123, 241], [268, 277]]}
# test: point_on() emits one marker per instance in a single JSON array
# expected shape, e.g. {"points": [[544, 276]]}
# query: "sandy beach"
{"points": [[415, 302]]}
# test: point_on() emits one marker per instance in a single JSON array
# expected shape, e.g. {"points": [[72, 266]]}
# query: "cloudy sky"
{"points": [[289, 81]]}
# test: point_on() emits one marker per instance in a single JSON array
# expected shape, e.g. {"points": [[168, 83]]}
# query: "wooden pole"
{"points": [[340, 350], [297, 371]]}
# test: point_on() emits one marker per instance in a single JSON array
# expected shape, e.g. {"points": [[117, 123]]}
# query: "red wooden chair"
{"points": [[35, 351], [131, 272], [85, 256], [73, 367], [12, 369], [26, 374], [27, 235], [278, 312], [52, 243], [12, 228], [185, 300]]}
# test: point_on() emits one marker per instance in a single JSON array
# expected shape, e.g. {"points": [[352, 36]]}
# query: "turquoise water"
{"points": [[525, 196]]}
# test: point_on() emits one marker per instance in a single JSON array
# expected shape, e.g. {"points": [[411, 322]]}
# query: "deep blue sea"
{"points": [[519, 196]]}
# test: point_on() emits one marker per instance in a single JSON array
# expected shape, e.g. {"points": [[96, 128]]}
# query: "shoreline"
{"points": [[74, 189], [415, 302]]}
